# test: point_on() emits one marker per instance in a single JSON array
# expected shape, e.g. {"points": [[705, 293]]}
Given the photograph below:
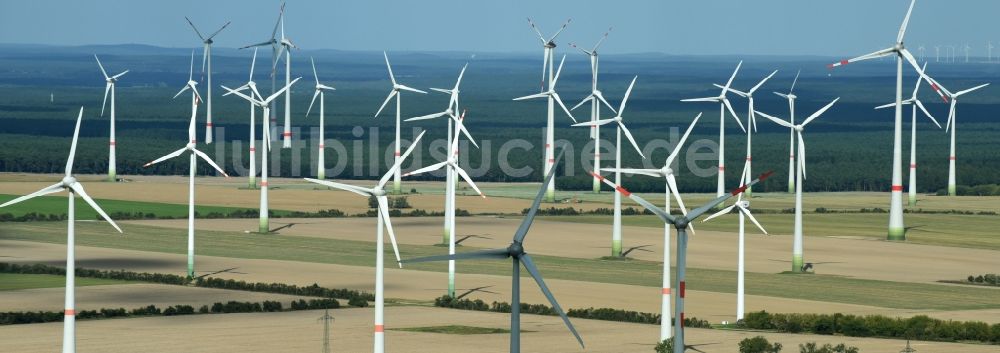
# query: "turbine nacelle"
{"points": [[515, 249], [68, 181]]}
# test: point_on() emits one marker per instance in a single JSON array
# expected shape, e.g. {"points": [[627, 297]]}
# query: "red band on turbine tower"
{"points": [[263, 183], [397, 154], [112, 143], [951, 158], [321, 146], [70, 312], [682, 320], [208, 124], [897, 188], [666, 291], [722, 168], [914, 165], [253, 149], [379, 328], [287, 134]]}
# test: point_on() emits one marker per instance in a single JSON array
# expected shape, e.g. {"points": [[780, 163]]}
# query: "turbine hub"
{"points": [[899, 46], [745, 203], [209, 41], [378, 191], [667, 171], [68, 180], [798, 128], [550, 44], [681, 223], [515, 249], [190, 146]]}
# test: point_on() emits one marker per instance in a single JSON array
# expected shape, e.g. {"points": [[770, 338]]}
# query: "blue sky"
{"points": [[780, 27]]}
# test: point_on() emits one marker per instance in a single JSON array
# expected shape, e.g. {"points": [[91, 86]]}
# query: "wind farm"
{"points": [[498, 212]]}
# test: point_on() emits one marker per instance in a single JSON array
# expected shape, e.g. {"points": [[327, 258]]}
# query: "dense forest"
{"points": [[848, 148]]}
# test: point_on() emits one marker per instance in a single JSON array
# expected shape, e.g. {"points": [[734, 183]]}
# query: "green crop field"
{"points": [[356, 253], [15, 281]]}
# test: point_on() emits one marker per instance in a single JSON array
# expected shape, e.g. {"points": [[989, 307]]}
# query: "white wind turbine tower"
{"points": [[320, 88], [989, 52], [207, 61], [395, 93], [253, 128], [286, 48], [723, 106], [967, 47], [751, 122], [743, 209], [897, 230], [255, 98], [952, 125], [667, 173], [937, 53], [379, 192], [915, 102], [454, 169], [192, 166], [797, 261], [790, 96], [70, 184], [110, 87], [596, 98], [920, 52], [548, 60], [274, 44], [616, 231]]}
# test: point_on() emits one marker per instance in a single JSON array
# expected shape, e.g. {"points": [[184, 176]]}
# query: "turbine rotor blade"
{"points": [[677, 149], [78, 189], [819, 112], [495, 254], [522, 230], [746, 212], [211, 162], [345, 187], [399, 161], [533, 270], [51, 189], [72, 148], [383, 208], [631, 139]]}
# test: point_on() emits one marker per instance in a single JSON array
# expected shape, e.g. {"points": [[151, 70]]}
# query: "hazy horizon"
{"points": [[774, 27]]}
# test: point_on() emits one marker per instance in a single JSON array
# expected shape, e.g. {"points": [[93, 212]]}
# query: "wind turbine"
{"points": [[682, 224], [320, 88], [70, 184], [454, 169], [915, 102], [253, 128], [274, 44], [937, 53], [552, 96], [616, 231], [967, 47], [920, 52], [723, 106], [596, 98], [667, 173], [207, 59], [548, 49], [379, 192], [797, 261], [254, 98], [516, 252], [549, 46], [952, 125], [751, 121], [450, 181], [110, 87], [989, 52], [897, 230], [790, 96], [395, 92], [286, 48], [743, 209], [193, 166]]}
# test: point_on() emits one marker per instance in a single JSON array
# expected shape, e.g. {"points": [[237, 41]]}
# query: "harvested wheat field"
{"points": [[351, 332]]}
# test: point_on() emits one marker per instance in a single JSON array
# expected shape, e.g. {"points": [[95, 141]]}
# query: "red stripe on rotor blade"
{"points": [[666, 291], [897, 188], [830, 66], [379, 328], [70, 312], [844, 62], [598, 176], [623, 190]]}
